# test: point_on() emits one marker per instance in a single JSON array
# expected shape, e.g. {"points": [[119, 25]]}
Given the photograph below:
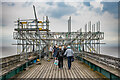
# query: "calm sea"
{"points": [[111, 51]]}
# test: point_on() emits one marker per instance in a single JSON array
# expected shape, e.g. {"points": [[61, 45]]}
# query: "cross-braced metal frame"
{"points": [[33, 35]]}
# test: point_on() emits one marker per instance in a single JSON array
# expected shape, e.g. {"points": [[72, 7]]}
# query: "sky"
{"points": [[105, 11]]}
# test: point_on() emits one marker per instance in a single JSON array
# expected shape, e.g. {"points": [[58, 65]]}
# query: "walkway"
{"points": [[49, 70]]}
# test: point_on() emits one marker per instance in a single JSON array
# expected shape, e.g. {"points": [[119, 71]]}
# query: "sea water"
{"points": [[111, 51]]}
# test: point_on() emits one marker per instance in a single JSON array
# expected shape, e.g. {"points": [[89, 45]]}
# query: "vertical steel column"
{"points": [[85, 37], [94, 33], [26, 48], [37, 32], [33, 46], [47, 27], [90, 34], [69, 24], [80, 45], [99, 36], [39, 44], [18, 21], [98, 40], [92, 38], [28, 40], [90, 26], [69, 28]]}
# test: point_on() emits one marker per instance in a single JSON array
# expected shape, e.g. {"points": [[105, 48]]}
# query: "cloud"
{"points": [[60, 9], [88, 0], [8, 3], [58, 14], [96, 5], [49, 3], [28, 3], [111, 7], [110, 0]]}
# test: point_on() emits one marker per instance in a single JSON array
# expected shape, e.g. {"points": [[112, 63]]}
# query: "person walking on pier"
{"points": [[65, 50], [50, 52], [69, 53], [55, 51], [59, 55]]}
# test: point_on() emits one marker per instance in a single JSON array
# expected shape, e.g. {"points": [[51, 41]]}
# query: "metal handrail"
{"points": [[104, 59], [8, 61]]}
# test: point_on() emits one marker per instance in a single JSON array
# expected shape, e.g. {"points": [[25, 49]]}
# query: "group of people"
{"points": [[59, 53]]}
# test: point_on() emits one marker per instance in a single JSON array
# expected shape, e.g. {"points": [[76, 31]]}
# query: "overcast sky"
{"points": [[58, 12]]}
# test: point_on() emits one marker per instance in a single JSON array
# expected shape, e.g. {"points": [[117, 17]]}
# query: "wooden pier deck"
{"points": [[49, 70]]}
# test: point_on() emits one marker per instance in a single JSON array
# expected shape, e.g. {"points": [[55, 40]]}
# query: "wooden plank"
{"points": [[38, 71], [31, 72], [72, 70], [49, 70], [65, 68], [42, 70], [56, 72], [67, 71], [70, 73], [64, 71], [89, 72], [54, 69], [45, 71], [62, 74], [25, 72], [79, 71], [82, 71]]}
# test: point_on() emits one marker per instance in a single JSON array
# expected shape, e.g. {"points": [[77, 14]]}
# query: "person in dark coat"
{"points": [[60, 58], [55, 51]]}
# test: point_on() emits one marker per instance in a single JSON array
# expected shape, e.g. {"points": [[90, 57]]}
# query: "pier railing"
{"points": [[9, 61], [104, 59]]}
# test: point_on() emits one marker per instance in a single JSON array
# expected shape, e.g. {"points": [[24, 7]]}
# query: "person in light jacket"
{"points": [[69, 53], [50, 52]]}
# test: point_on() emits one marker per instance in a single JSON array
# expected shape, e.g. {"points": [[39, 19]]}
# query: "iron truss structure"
{"points": [[33, 35]]}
